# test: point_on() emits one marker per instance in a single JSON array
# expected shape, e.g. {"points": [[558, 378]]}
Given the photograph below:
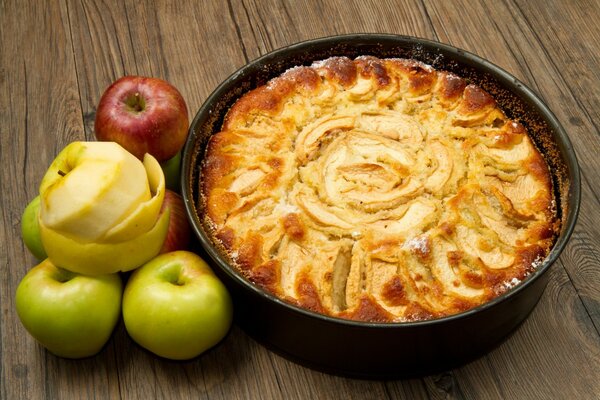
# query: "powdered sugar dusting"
{"points": [[515, 281], [553, 206], [285, 208], [320, 63], [512, 283], [537, 262], [418, 243]]}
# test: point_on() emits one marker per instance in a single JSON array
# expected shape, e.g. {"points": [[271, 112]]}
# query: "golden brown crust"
{"points": [[377, 190], [267, 275]]}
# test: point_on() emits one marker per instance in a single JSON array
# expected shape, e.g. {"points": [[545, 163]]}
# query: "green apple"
{"points": [[30, 229], [171, 169], [175, 306], [72, 315], [100, 209]]}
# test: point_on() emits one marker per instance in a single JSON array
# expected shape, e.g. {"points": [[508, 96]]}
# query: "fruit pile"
{"points": [[111, 206]]}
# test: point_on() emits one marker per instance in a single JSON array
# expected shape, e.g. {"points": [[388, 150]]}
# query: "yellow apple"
{"points": [[104, 258], [100, 209], [91, 187]]}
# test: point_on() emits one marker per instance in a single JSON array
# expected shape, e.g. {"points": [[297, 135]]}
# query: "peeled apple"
{"points": [[100, 209]]}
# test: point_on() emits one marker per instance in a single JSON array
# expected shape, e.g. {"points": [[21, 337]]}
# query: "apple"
{"points": [[92, 186], [100, 209], [30, 229], [179, 232], [175, 306], [71, 315], [144, 115], [171, 168]]}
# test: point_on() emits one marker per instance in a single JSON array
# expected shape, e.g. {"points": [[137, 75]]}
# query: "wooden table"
{"points": [[56, 59]]}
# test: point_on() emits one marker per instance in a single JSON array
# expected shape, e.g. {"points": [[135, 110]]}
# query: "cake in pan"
{"points": [[377, 190]]}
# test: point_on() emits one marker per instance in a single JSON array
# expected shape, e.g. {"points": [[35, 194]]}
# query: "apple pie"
{"points": [[377, 190]]}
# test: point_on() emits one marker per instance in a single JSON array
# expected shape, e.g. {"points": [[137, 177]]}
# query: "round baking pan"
{"points": [[383, 350]]}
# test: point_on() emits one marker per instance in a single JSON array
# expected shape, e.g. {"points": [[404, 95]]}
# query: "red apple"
{"points": [[144, 115], [179, 231]]}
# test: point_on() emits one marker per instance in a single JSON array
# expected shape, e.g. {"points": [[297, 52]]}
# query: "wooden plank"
{"points": [[103, 51], [271, 24], [304, 383], [573, 51], [581, 256]]}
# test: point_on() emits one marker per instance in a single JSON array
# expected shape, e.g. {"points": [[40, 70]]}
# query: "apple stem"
{"points": [[172, 274], [61, 173], [63, 275], [136, 102], [138, 106]]}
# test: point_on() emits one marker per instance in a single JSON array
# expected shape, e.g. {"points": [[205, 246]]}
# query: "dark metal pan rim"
{"points": [[500, 74]]}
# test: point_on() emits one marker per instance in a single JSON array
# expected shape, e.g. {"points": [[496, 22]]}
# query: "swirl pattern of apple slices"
{"points": [[384, 196], [100, 209]]}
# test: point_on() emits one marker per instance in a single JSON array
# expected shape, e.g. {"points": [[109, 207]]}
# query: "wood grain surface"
{"points": [[56, 59]]}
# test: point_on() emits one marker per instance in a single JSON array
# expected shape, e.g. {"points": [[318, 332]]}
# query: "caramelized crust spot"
{"points": [[393, 292], [371, 66], [451, 86], [421, 80], [276, 163], [421, 77], [267, 275], [473, 279], [543, 231], [369, 310], [303, 78], [528, 257], [250, 251], [454, 258], [507, 139], [416, 312], [475, 100], [226, 236], [219, 203], [307, 293], [515, 128], [537, 166], [264, 101], [338, 69], [447, 228], [293, 226], [460, 305], [217, 163]]}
